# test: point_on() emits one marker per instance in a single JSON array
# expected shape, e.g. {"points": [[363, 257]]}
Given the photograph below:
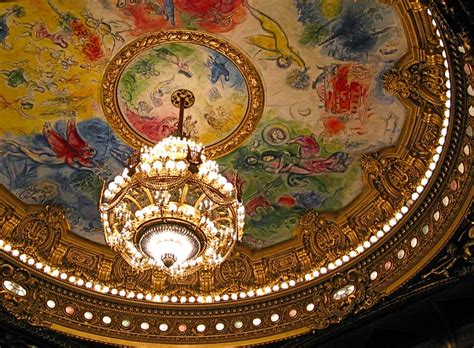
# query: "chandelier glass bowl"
{"points": [[172, 210]]}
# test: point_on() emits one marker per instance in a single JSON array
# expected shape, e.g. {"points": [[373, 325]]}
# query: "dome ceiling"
{"points": [[337, 115], [324, 104]]}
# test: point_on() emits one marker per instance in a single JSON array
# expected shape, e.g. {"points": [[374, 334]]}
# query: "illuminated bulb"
{"points": [[221, 180], [180, 165], [157, 165], [212, 176], [228, 187], [119, 180], [113, 186], [170, 165]]}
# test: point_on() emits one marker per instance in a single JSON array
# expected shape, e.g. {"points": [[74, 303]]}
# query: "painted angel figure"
{"points": [[71, 150]]}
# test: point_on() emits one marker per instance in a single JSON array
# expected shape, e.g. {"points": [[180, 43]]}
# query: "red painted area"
{"points": [[344, 94], [255, 203], [212, 15], [286, 201], [215, 15], [153, 129], [144, 20], [90, 42], [333, 126]]}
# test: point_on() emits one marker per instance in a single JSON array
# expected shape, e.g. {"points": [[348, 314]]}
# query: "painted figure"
{"points": [[89, 42], [72, 150], [19, 105], [308, 145], [108, 31], [38, 31], [283, 162], [169, 11], [170, 57], [276, 45], [16, 11], [218, 69]]}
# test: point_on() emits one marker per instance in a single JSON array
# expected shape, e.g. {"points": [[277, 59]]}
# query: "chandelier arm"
{"points": [[133, 200], [151, 183], [215, 195], [112, 203], [148, 194], [184, 194]]}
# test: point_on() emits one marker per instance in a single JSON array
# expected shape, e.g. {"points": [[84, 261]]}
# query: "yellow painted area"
{"points": [[61, 82]]}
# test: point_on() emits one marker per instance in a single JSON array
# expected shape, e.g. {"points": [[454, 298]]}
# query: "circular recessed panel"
{"points": [[228, 91]]}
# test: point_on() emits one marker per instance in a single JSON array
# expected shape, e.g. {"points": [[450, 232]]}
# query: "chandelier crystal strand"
{"points": [[171, 209]]}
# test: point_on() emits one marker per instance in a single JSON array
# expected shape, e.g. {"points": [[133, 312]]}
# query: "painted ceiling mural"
{"points": [[321, 62]]}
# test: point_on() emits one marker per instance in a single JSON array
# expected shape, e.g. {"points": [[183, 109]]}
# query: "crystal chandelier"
{"points": [[171, 209]]}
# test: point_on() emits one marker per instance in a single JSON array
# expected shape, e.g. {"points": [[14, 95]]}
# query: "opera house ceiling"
{"points": [[346, 126]]}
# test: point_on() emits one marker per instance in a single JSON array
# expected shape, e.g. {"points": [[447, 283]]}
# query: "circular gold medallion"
{"points": [[140, 79]]}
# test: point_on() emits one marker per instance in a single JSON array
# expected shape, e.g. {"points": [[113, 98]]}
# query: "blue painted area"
{"points": [[354, 34], [222, 70], [75, 189]]}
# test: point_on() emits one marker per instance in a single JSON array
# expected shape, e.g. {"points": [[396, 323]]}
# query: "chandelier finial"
{"points": [[182, 99]]}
